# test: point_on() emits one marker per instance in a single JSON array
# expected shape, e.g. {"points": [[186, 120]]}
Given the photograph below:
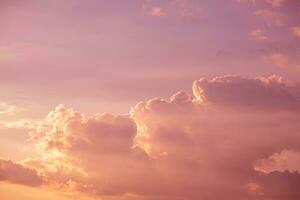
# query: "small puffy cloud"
{"points": [[185, 10], [296, 31], [259, 35], [275, 3], [18, 174], [157, 12], [278, 59], [286, 160]]}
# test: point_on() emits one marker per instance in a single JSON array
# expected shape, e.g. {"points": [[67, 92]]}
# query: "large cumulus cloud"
{"points": [[230, 125], [227, 141]]}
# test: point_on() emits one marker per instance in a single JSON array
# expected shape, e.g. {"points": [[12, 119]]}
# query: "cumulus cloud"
{"points": [[254, 93], [221, 133], [96, 153], [18, 174], [286, 160], [227, 140]]}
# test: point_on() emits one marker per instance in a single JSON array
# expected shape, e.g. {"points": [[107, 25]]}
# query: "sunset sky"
{"points": [[150, 99]]}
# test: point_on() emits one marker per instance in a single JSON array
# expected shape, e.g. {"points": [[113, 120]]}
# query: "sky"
{"points": [[150, 99]]}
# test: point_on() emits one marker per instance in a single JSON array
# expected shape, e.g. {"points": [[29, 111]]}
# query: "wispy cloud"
{"points": [[282, 60], [8, 109], [259, 34], [20, 124]]}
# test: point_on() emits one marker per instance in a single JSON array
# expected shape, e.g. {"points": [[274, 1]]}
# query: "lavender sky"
{"points": [[237, 58], [92, 54]]}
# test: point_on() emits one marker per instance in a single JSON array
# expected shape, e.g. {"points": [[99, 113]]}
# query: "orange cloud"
{"points": [[157, 12], [296, 31], [278, 59]]}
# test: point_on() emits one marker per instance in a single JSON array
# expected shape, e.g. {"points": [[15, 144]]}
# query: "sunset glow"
{"points": [[150, 100]]}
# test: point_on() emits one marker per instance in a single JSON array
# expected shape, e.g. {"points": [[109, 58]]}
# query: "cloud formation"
{"points": [[275, 3], [18, 174], [227, 141], [157, 12], [7, 109], [286, 160], [296, 31], [255, 93], [259, 35]]}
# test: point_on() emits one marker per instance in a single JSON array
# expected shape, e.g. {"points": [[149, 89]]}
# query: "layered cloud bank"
{"points": [[235, 138]]}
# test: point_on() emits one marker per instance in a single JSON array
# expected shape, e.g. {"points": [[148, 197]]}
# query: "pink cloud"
{"points": [[157, 12], [282, 60], [204, 145], [262, 93], [18, 174], [286, 160], [201, 146]]}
